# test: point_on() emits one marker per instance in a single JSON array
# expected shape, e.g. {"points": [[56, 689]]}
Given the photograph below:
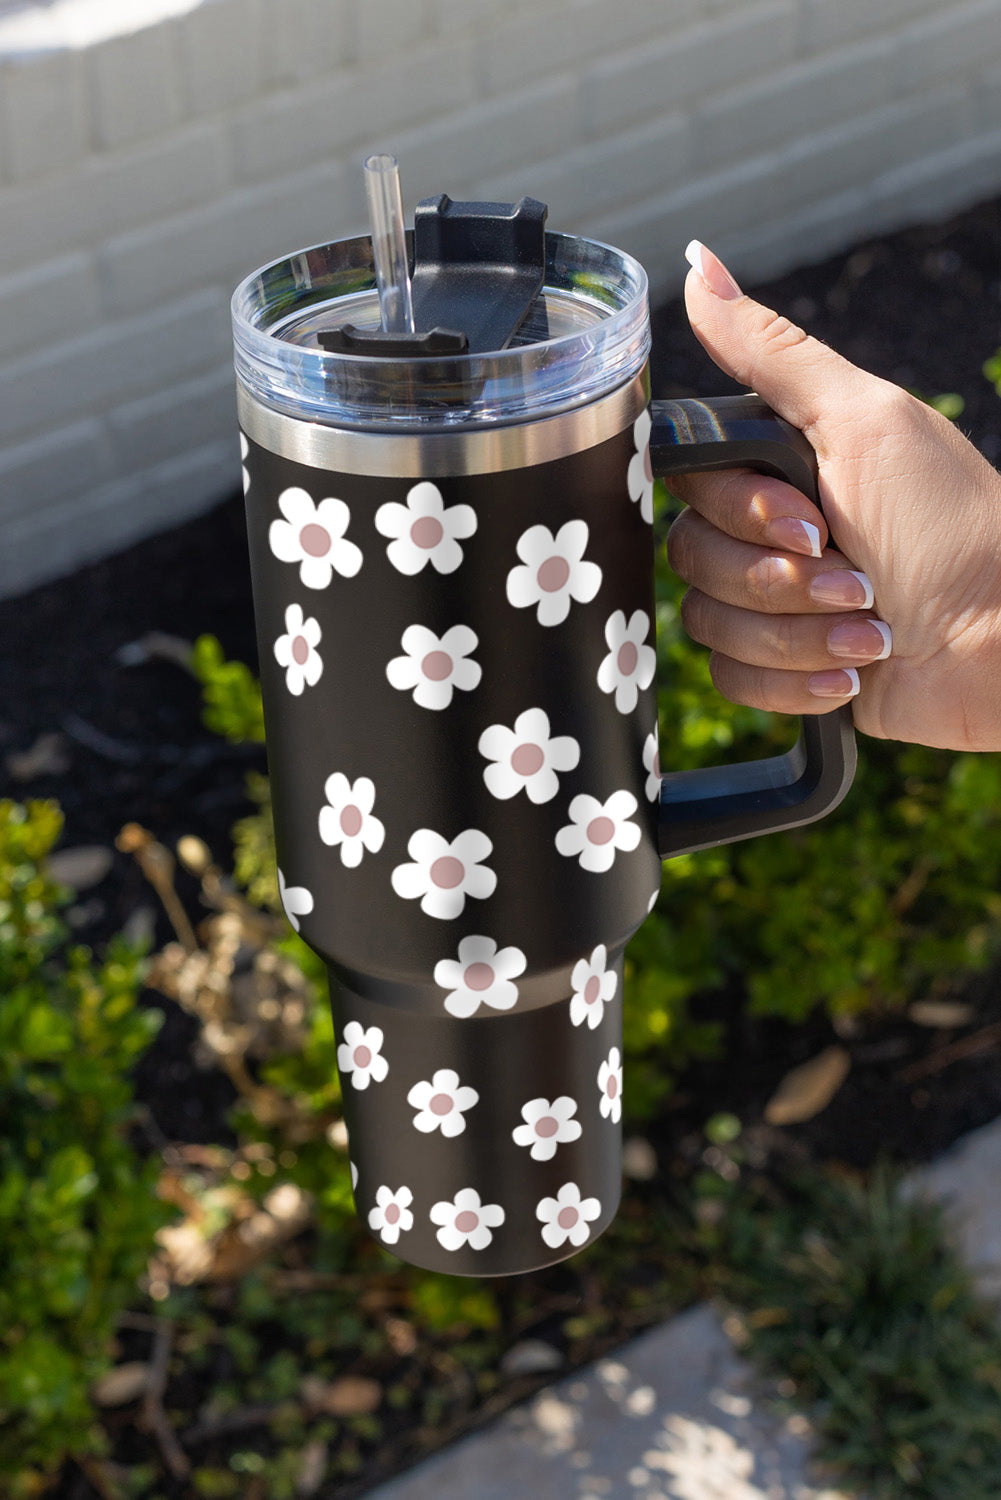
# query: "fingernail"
{"points": [[841, 683], [844, 587], [793, 535], [868, 638], [712, 270]]}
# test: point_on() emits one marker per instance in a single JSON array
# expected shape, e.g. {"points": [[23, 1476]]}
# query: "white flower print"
{"points": [[554, 572], [348, 821], [594, 986], [639, 477], [482, 975], [466, 1221], [354, 1176], [526, 758], [360, 1054], [547, 1125], [423, 531], [435, 668], [244, 450], [441, 1103], [443, 874], [296, 901], [392, 1213], [566, 1216], [296, 651], [630, 664], [651, 764], [598, 829], [313, 536], [610, 1085]]}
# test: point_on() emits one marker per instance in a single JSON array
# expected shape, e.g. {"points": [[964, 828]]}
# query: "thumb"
{"points": [[800, 378]]}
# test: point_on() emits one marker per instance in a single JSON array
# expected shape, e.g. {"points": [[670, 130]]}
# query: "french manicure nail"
{"points": [[712, 270], [793, 535], [844, 587], [870, 639], [843, 682]]}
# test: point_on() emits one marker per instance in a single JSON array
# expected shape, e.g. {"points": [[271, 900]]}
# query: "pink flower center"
{"points": [[392, 1213], [300, 649], [656, 762], [600, 830], [527, 759], [426, 532], [478, 976], [350, 821], [567, 1218], [627, 658], [362, 1056], [440, 1104], [547, 1126], [315, 540], [447, 872], [647, 466], [437, 665], [553, 574], [612, 1086], [467, 1221], [592, 989]]}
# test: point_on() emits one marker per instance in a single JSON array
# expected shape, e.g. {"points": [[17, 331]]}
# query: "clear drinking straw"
{"points": [[385, 206]]}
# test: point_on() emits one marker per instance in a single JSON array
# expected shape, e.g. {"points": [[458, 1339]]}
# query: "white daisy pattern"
{"points": [[630, 664], [610, 1086], [392, 1214], [443, 874], [359, 1054], [594, 985], [466, 1221], [441, 1103], [651, 764], [566, 1217], [639, 477], [423, 531], [296, 901], [483, 974], [244, 450], [433, 667], [553, 572], [313, 536], [347, 822], [548, 1123], [526, 758], [296, 651], [598, 830]]}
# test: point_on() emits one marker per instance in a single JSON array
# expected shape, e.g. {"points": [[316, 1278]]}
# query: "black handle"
{"points": [[721, 804]]}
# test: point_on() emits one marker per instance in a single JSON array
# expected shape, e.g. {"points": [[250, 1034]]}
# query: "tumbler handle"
{"points": [[722, 804]]}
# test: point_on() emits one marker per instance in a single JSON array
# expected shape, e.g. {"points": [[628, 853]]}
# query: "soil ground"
{"points": [[921, 307]]}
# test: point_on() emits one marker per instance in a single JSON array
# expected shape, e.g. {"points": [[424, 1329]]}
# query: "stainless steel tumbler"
{"points": [[452, 557]]}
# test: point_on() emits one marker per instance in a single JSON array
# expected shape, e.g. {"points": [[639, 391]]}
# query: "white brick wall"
{"points": [[152, 152]]}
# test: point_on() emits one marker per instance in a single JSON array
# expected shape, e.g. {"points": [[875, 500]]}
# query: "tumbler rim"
{"points": [[523, 382]]}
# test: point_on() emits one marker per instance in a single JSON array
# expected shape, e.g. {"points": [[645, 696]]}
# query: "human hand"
{"points": [[902, 611]]}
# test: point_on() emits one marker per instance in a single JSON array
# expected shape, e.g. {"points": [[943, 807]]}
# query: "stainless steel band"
{"points": [[413, 455]]}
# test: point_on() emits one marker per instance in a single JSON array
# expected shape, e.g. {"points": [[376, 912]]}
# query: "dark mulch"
{"points": [[922, 307]]}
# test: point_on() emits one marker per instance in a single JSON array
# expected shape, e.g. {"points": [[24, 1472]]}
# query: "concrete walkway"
{"points": [[676, 1414]]}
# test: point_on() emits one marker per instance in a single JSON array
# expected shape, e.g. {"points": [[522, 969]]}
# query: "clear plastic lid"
{"points": [[587, 333]]}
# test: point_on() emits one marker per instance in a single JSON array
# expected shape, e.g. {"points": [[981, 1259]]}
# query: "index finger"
{"points": [[754, 508]]}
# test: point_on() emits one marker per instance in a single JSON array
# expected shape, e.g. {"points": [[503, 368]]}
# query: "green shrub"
{"points": [[77, 1209], [853, 1295]]}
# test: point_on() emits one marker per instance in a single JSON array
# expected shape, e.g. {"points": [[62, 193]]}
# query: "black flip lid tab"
{"points": [[478, 269]]}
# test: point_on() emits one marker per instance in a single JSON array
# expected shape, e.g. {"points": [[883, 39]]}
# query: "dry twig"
{"points": [[153, 1418]]}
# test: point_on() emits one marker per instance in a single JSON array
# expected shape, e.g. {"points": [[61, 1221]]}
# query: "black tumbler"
{"points": [[452, 552]]}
